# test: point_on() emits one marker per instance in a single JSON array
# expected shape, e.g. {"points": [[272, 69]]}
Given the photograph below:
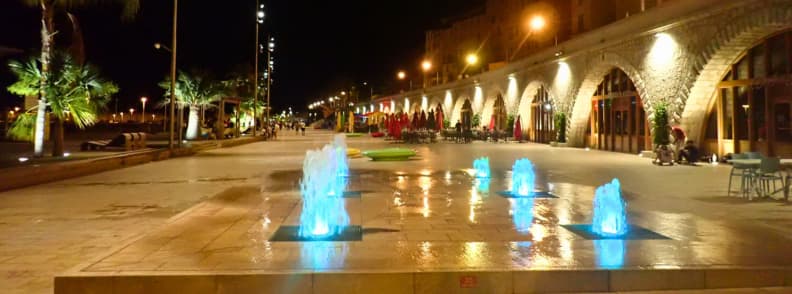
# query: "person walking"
{"points": [[302, 127]]}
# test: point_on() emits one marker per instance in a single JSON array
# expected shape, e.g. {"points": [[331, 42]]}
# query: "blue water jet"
{"points": [[610, 253], [610, 211], [523, 178], [482, 167], [522, 213], [322, 186]]}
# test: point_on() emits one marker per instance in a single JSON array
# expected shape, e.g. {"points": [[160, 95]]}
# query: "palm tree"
{"points": [[194, 91], [48, 32], [76, 93]]}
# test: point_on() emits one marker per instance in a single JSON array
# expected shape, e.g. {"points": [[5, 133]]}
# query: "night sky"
{"points": [[321, 46]]}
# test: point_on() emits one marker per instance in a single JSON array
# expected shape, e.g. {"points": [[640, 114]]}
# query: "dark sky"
{"points": [[321, 45]]}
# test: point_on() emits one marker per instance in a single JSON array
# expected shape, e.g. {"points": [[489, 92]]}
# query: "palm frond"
{"points": [[22, 129]]}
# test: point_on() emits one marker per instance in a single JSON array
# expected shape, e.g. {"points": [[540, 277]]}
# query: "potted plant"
{"points": [[661, 132], [560, 123]]}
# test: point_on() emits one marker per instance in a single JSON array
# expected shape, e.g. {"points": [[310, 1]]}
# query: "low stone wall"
{"points": [[20, 177]]}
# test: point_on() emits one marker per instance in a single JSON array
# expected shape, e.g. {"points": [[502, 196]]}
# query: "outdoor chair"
{"points": [[753, 155], [769, 172], [742, 171]]}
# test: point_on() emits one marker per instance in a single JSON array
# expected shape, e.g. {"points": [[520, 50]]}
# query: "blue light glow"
{"points": [[610, 213], [522, 213], [482, 185], [610, 253], [323, 255], [523, 178], [482, 167], [322, 186]]}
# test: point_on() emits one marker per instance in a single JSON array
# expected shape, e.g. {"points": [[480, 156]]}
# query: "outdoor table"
{"points": [[786, 165]]}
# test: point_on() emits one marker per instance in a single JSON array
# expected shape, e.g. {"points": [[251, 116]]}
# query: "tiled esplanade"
{"points": [[609, 80]]}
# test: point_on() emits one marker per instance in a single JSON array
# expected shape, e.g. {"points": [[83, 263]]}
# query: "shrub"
{"points": [[660, 125], [560, 121]]}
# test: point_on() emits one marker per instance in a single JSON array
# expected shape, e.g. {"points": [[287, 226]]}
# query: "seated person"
{"points": [[664, 155], [689, 153]]}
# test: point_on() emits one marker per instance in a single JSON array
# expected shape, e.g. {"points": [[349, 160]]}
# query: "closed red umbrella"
{"points": [[422, 123], [518, 129], [492, 123], [440, 118]]}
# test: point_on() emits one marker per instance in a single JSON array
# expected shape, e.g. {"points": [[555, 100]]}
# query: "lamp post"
{"points": [[536, 24], [132, 114], [174, 45], [426, 66], [471, 59], [143, 113], [270, 50], [402, 75], [260, 14]]}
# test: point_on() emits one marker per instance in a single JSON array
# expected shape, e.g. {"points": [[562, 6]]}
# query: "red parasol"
{"points": [[518, 129], [422, 123], [492, 123], [440, 118]]}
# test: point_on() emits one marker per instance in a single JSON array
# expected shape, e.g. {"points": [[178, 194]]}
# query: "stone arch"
{"points": [[597, 69], [739, 35], [493, 94], [524, 110], [456, 112]]}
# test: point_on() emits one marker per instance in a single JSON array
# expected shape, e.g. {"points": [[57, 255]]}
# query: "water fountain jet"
{"points": [[322, 186], [481, 168], [610, 211], [523, 178]]}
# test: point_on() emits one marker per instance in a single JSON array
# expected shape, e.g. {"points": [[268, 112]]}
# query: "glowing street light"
{"points": [[132, 114], [472, 59], [401, 75], [143, 115], [426, 65], [537, 23]]}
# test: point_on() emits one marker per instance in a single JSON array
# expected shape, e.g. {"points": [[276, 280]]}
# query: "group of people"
{"points": [[685, 150]]}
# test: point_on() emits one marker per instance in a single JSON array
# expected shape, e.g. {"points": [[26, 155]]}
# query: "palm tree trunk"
{"points": [[192, 123], [57, 137], [47, 40]]}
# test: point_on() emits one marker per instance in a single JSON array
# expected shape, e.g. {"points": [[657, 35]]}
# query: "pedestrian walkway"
{"points": [[50, 228]]}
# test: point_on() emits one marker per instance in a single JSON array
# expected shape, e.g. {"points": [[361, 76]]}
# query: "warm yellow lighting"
{"points": [[426, 65], [537, 23], [401, 75], [143, 99], [472, 59]]}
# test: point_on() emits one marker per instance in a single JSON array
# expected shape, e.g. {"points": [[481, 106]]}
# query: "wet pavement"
{"points": [[423, 215]]}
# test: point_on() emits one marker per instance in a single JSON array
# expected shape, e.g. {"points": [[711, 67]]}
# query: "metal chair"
{"points": [[769, 171], [742, 171]]}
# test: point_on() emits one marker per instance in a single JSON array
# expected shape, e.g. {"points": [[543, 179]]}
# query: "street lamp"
{"points": [[472, 59], [143, 114], [259, 20], [402, 75], [537, 23], [132, 114], [426, 65]]}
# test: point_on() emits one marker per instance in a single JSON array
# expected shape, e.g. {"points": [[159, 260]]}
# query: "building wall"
{"points": [[662, 51]]}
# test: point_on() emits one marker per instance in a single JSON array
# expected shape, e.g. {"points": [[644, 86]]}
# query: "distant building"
{"points": [[500, 31]]}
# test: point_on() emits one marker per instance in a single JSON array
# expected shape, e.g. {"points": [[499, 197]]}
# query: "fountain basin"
{"points": [[390, 154], [535, 194], [292, 234], [586, 231], [353, 153]]}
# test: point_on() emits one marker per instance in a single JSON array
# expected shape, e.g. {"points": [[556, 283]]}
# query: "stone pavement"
{"points": [[50, 228]]}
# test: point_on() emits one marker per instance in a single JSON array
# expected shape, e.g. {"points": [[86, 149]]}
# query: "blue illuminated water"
{"points": [[610, 253], [523, 178], [322, 186], [482, 185], [610, 211], [482, 167], [522, 213]]}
